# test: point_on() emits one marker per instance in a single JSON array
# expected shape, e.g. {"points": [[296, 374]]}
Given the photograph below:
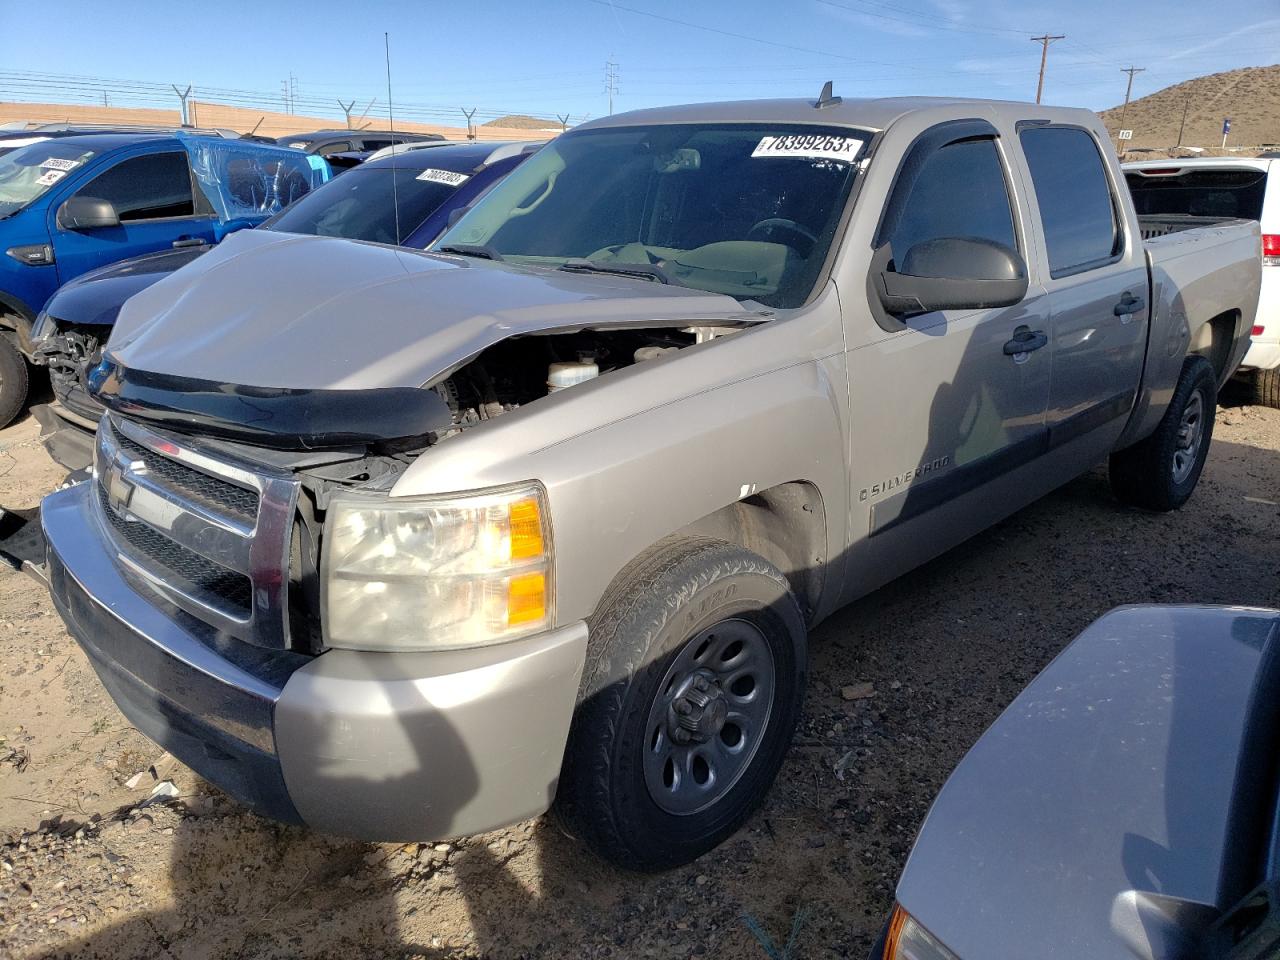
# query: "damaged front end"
{"points": [[220, 494]]}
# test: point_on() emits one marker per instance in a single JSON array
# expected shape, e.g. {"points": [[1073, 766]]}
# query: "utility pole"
{"points": [[471, 133], [1128, 88], [564, 122], [610, 81], [347, 108], [104, 99], [1044, 55], [1186, 103], [284, 95], [293, 93], [182, 95]]}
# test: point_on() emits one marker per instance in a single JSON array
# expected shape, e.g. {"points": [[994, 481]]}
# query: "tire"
{"points": [[617, 793], [1266, 388], [13, 381], [1161, 471]]}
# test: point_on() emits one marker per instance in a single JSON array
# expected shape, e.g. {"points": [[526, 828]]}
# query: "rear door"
{"points": [[1095, 275], [153, 195]]}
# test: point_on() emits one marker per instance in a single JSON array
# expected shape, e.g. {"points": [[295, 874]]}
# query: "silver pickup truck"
{"points": [[405, 544]]}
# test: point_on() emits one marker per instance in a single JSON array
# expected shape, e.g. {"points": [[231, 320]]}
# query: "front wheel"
{"points": [[13, 381], [1160, 472], [691, 693]]}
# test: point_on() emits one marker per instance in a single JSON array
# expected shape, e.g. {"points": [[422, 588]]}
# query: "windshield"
{"points": [[749, 211], [361, 204], [1201, 193], [28, 172]]}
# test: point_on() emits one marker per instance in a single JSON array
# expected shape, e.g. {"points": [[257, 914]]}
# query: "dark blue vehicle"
{"points": [[71, 204], [407, 199]]}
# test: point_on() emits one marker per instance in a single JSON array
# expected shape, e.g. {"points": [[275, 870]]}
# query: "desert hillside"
{"points": [[1249, 96]]}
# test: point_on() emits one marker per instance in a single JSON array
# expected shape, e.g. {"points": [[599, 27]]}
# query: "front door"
{"points": [[1097, 286], [945, 409], [153, 196]]}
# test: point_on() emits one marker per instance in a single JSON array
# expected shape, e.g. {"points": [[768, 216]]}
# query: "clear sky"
{"points": [[548, 57]]}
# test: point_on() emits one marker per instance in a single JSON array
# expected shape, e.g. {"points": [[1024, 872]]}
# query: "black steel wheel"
{"points": [[691, 692]]}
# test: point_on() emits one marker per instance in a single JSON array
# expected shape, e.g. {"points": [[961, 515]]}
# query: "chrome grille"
{"points": [[198, 486], [205, 530]]}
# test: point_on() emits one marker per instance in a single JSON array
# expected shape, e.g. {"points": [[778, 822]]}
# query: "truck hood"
{"points": [[1127, 774], [95, 298], [293, 312]]}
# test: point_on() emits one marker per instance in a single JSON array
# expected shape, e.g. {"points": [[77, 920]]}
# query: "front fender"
{"points": [[618, 482]]}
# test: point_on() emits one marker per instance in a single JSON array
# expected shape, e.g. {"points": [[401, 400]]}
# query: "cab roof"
{"points": [[868, 113]]}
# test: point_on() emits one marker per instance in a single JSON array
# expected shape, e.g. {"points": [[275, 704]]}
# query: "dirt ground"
{"points": [[85, 870]]}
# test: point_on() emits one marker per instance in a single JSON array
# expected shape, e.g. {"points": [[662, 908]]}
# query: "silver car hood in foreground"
{"points": [[1110, 777], [280, 310]]}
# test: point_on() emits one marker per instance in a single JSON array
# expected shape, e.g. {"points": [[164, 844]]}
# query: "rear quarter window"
{"points": [[1077, 210]]}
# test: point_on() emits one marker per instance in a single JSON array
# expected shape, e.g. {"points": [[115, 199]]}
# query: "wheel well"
{"points": [[1213, 341], [786, 525]]}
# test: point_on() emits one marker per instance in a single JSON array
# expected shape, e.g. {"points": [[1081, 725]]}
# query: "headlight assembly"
{"points": [[907, 940], [438, 572]]}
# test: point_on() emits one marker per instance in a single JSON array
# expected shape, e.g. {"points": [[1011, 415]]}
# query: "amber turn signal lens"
{"points": [[526, 530], [526, 598]]}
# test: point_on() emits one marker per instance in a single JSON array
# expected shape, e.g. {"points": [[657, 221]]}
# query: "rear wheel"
{"points": [[690, 696], [1160, 472], [13, 381], [1266, 387]]}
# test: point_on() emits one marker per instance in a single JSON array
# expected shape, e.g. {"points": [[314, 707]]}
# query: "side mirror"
{"points": [[87, 213], [949, 273], [457, 214]]}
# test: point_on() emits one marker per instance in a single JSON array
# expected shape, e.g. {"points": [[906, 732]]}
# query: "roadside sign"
{"points": [[1126, 134], [1226, 126]]}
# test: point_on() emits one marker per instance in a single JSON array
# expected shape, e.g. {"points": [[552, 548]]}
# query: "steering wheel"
{"points": [[775, 224]]}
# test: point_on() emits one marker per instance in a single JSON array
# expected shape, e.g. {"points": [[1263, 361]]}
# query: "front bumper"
{"points": [[371, 745]]}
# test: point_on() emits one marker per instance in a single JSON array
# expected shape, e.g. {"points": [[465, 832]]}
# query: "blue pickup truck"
{"points": [[71, 204]]}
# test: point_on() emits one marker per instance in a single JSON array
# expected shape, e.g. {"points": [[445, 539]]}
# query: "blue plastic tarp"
{"points": [[244, 179]]}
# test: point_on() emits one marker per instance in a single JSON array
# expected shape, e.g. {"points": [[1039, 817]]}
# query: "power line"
{"points": [[1044, 55], [610, 81], [1128, 89]]}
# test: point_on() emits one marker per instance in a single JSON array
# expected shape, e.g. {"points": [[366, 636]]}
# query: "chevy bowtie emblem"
{"points": [[119, 489]]}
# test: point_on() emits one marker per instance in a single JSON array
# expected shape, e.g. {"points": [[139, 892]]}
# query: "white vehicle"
{"points": [[1175, 190]]}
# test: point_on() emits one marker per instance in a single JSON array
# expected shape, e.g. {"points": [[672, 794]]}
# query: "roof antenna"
{"points": [[825, 98]]}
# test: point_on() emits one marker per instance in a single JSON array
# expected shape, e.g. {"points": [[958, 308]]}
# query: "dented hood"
{"points": [[276, 310]]}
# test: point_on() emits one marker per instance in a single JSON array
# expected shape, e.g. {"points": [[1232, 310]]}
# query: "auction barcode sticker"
{"points": [[447, 177], [813, 146], [57, 163]]}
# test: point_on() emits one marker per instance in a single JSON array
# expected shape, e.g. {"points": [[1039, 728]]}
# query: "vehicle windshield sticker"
{"points": [[447, 177], [813, 146], [50, 177], [57, 163]]}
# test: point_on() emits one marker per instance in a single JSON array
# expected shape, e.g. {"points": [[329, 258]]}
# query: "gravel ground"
{"points": [[87, 870]]}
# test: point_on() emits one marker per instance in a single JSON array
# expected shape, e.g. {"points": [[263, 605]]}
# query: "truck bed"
{"points": [[1197, 268], [1154, 225]]}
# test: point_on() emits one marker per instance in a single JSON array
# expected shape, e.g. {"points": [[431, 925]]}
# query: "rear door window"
{"points": [[151, 187], [1077, 210], [1199, 193]]}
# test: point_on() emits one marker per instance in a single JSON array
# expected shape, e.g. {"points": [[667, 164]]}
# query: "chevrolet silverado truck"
{"points": [[1125, 806], [408, 544]]}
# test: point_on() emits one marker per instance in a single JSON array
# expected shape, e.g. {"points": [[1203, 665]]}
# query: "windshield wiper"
{"points": [[481, 250], [646, 271]]}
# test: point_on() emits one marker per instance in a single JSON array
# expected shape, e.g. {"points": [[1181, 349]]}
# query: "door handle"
{"points": [[1128, 304], [1024, 341], [190, 242]]}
